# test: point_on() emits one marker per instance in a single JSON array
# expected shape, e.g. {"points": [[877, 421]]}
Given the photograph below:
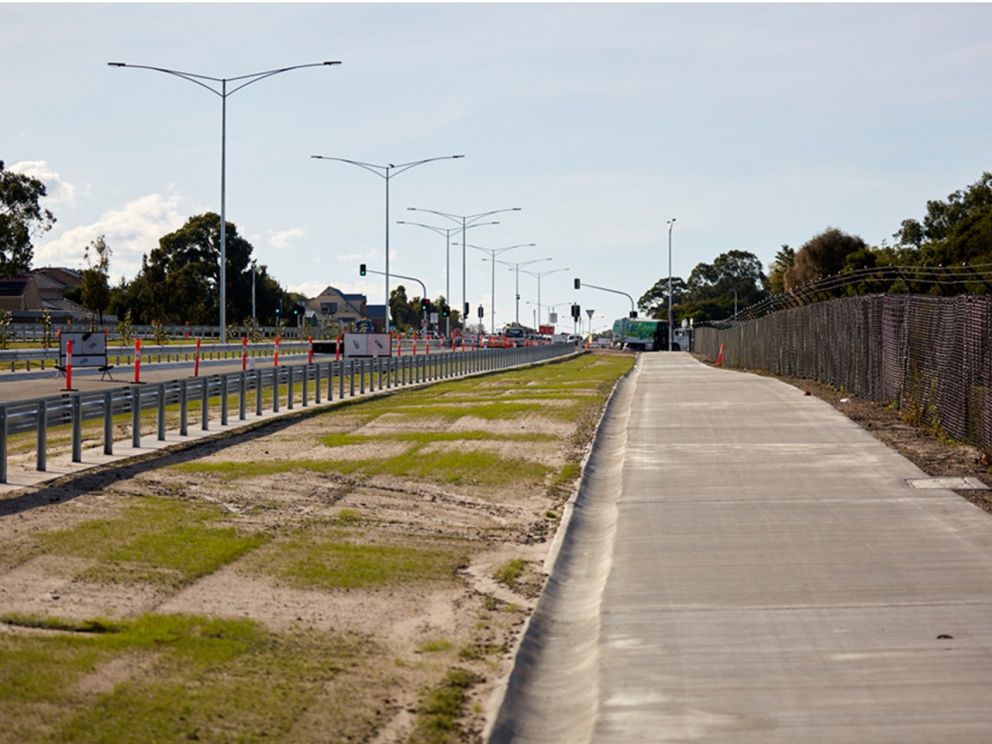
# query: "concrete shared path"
{"points": [[744, 564]]}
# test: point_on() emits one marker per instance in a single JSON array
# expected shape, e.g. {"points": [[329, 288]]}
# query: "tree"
{"points": [[95, 288], [179, 280], [402, 311], [821, 256], [784, 260], [21, 219], [713, 289], [654, 302], [955, 231]]}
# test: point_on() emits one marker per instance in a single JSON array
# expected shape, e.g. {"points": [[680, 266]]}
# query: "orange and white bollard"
{"points": [[275, 359], [244, 353], [337, 350], [137, 360], [415, 346], [310, 352], [719, 357], [196, 359]]}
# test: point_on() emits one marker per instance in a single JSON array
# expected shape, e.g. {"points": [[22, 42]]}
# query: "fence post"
{"points": [[3, 443], [258, 392], [242, 392], [316, 384], [161, 412], [289, 386], [108, 423], [205, 404], [135, 417], [223, 399], [42, 434], [275, 390], [183, 408], [77, 428], [351, 376]]}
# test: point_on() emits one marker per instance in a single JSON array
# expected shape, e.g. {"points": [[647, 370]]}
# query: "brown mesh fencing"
{"points": [[930, 355]]}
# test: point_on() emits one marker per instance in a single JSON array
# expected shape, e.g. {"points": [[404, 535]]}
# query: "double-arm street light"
{"points": [[466, 221], [208, 83], [515, 267], [540, 274], [493, 252], [386, 172], [446, 232]]}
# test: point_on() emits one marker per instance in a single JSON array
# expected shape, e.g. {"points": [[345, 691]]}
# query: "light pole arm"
{"points": [[195, 78], [400, 276], [614, 291]]}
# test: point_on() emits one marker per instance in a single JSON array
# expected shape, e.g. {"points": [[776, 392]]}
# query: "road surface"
{"points": [[745, 564]]}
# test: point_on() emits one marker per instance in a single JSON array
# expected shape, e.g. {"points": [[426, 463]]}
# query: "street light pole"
{"points": [[466, 221], [539, 274], [446, 232], [671, 224], [493, 252], [243, 80], [386, 172], [253, 269], [515, 266]]}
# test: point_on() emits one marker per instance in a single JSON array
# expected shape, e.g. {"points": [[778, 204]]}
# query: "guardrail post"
{"points": [[316, 384], [77, 427], [205, 404], [3, 443], [135, 417], [183, 408], [275, 390], [289, 386], [160, 418], [223, 400], [108, 423], [242, 393], [258, 392], [340, 380], [42, 435]]}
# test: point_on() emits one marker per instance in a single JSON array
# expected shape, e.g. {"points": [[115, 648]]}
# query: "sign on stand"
{"points": [[367, 345], [89, 349]]}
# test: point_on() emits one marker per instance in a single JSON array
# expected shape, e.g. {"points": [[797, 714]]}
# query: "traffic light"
{"points": [[361, 270], [445, 311], [576, 311], [425, 306], [465, 310], [633, 313], [578, 284]]}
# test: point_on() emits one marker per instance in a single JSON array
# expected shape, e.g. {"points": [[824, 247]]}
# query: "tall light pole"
{"points": [[446, 232], [493, 252], [207, 82], [540, 274], [515, 266], [671, 224], [467, 221], [386, 172], [253, 270]]}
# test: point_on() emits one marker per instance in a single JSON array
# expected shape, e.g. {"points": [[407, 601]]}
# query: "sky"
{"points": [[752, 125]]}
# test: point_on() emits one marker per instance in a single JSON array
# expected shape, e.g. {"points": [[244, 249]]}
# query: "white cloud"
{"points": [[280, 240], [131, 230], [59, 192], [351, 257]]}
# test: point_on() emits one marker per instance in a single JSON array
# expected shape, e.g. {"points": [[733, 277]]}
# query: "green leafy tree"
{"points": [[21, 219], [404, 313], [654, 302], [711, 288]]}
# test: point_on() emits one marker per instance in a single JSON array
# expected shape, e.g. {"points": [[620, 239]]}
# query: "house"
{"points": [[334, 306], [29, 294], [20, 293]]}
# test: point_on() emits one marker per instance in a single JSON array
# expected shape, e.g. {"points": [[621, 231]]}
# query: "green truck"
{"points": [[642, 335]]}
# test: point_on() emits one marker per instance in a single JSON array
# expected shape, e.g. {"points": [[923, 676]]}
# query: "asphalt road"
{"points": [[745, 564]]}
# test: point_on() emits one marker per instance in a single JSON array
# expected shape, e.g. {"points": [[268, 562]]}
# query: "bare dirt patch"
{"points": [[435, 575]]}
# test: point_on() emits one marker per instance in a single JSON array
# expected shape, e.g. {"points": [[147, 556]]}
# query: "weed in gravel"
{"points": [[510, 572], [441, 707]]}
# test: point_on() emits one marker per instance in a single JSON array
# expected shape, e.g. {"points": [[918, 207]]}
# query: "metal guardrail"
{"points": [[118, 355], [213, 394]]}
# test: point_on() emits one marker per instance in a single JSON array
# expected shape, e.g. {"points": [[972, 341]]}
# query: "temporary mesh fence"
{"points": [[930, 355]]}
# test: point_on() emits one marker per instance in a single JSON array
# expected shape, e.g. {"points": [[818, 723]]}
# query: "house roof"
{"points": [[13, 287], [69, 278]]}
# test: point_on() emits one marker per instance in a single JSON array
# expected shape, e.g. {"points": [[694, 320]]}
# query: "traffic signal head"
{"points": [[361, 270], [465, 310], [576, 312], [633, 313], [445, 311], [578, 284], [425, 305]]}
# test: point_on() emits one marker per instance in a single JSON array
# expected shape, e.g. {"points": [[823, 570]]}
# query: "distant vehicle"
{"points": [[640, 334]]}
